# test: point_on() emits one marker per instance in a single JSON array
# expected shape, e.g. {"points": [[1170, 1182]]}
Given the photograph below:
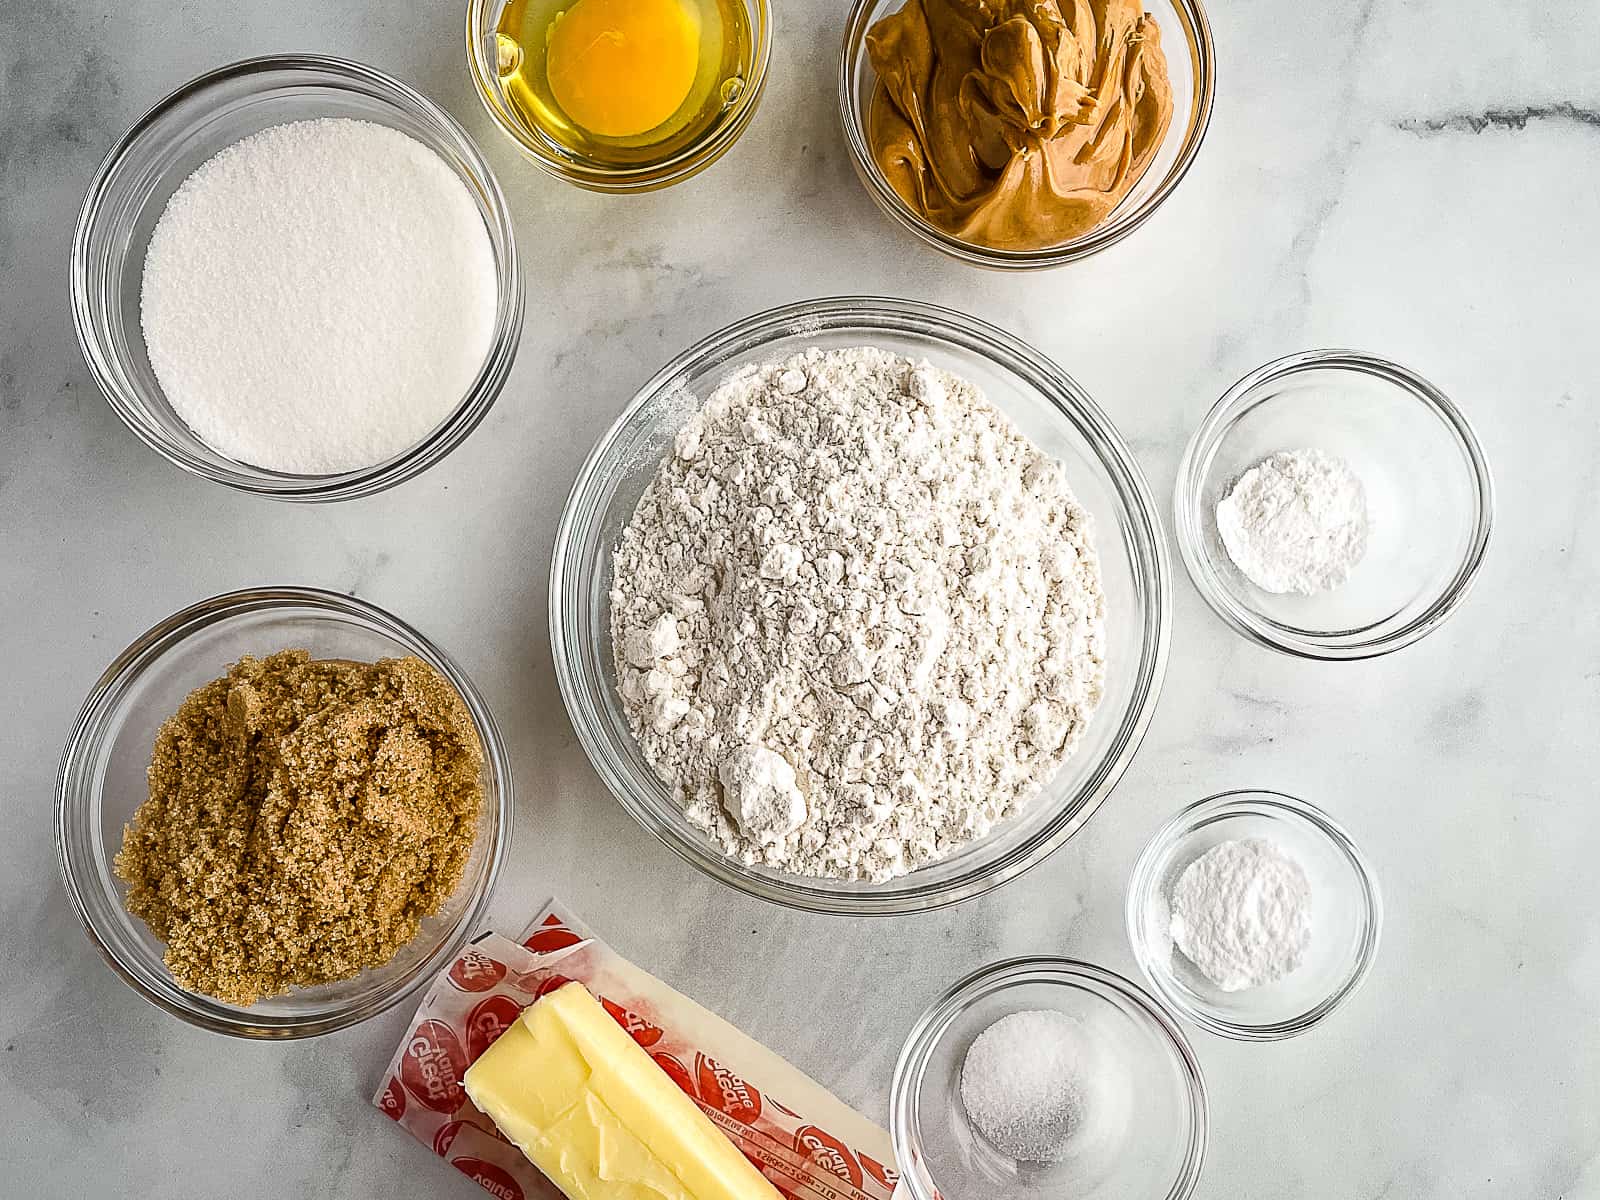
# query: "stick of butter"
{"points": [[590, 1109]]}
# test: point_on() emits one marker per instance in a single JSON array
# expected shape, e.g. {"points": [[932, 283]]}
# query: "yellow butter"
{"points": [[593, 1112]]}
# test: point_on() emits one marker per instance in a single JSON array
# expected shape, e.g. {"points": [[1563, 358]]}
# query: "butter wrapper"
{"points": [[810, 1144]]}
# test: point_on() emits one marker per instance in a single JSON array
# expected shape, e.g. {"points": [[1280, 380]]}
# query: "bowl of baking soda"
{"points": [[1334, 505], [1254, 915], [1045, 1077], [296, 276]]}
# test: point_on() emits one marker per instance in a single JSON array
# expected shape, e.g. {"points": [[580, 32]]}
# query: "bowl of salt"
{"points": [[1044, 1077]]}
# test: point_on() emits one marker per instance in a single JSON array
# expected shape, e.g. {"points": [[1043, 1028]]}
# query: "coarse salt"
{"points": [[319, 296], [1023, 1084]]}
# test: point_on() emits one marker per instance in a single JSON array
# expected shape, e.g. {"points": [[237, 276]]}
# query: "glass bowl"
{"points": [[549, 155], [1429, 498], [1192, 68], [102, 783], [1346, 915], [163, 148], [1146, 1117], [1049, 407]]}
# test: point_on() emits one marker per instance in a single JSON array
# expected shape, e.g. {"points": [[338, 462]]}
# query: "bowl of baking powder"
{"points": [[1254, 915], [1334, 505]]}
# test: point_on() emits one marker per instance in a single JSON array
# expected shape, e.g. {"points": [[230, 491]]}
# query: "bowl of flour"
{"points": [[1334, 505], [861, 606], [296, 276]]}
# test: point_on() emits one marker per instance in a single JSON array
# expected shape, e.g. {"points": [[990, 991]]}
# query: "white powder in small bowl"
{"points": [[319, 296], [1296, 522], [1241, 912]]}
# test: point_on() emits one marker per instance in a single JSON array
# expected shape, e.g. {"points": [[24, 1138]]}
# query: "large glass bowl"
{"points": [[1192, 69], [1049, 407], [164, 148], [102, 783]]}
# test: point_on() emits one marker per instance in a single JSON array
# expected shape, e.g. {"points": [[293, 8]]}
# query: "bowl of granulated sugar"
{"points": [[296, 276]]}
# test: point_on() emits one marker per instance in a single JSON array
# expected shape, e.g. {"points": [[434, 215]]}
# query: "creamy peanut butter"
{"points": [[1017, 124]]}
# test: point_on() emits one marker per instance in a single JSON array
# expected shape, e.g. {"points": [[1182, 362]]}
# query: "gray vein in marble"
{"points": [[1326, 184], [1455, 725], [1516, 119], [1586, 487], [364, 567], [1249, 700], [78, 1055]]}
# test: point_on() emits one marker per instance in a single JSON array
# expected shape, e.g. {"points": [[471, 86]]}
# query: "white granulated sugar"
{"points": [[1295, 522], [857, 617], [1024, 1081], [1241, 912], [318, 296]]}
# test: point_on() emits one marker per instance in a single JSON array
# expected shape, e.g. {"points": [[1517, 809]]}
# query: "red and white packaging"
{"points": [[810, 1144]]}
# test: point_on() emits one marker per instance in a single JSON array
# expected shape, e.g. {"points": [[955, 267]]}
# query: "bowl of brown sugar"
{"points": [[280, 811]]}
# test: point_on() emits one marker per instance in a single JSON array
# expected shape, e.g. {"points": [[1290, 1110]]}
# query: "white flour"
{"points": [[1241, 912], [857, 616], [1295, 522], [318, 296]]}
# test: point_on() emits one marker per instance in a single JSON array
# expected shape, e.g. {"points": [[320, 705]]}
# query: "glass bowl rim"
{"points": [[937, 1017], [475, 402], [1196, 462], [595, 177], [89, 731], [1149, 564], [1220, 806], [1204, 60]]}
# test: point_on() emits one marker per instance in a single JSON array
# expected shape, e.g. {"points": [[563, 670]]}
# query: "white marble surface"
{"points": [[1414, 178]]}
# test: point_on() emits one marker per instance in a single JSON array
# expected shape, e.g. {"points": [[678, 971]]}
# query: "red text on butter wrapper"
{"points": [[492, 1179], [723, 1090], [433, 1065]]}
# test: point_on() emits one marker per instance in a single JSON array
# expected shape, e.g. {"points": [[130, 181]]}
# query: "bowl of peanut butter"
{"points": [[1022, 134]]}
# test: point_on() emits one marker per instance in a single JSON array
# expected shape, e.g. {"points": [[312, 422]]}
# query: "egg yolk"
{"points": [[621, 67]]}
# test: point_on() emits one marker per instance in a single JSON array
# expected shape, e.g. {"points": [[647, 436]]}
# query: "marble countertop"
{"points": [[1415, 179]]}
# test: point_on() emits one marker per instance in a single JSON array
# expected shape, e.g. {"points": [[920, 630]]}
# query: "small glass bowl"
{"points": [[102, 783], [1146, 1104], [1192, 68], [1049, 407], [1429, 498], [549, 155], [1346, 915], [163, 149]]}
